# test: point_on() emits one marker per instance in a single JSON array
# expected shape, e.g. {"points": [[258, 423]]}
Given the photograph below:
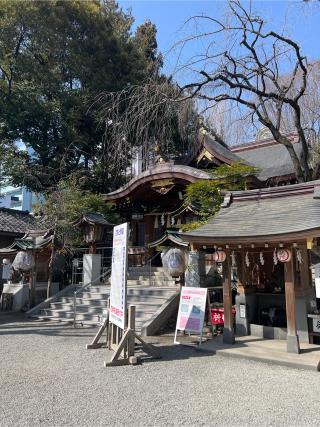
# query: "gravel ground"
{"points": [[48, 378]]}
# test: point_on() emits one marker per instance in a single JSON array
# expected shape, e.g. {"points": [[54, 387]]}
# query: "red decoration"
{"points": [[219, 256], [217, 315], [284, 255]]}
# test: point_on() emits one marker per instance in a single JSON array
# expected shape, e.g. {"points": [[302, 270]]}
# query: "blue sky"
{"points": [[302, 21]]}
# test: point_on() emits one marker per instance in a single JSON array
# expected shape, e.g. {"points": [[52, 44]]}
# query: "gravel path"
{"points": [[47, 378]]}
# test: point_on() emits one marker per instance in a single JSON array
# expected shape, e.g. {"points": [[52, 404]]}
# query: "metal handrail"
{"points": [[85, 286]]}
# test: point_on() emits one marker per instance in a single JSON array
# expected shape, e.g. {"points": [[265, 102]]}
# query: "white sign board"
{"points": [[317, 283], [242, 310], [316, 325], [191, 310], [118, 292]]}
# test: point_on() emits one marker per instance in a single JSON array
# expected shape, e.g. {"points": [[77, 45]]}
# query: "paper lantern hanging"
{"points": [[174, 261], [23, 261], [261, 258], [233, 259], [299, 256], [284, 255], [247, 259], [219, 256], [275, 259]]}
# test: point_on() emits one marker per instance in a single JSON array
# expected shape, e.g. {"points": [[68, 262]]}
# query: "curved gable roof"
{"points": [[219, 151], [157, 172]]}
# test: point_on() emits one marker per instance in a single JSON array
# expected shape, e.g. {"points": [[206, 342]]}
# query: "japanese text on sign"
{"points": [[192, 309], [119, 275]]}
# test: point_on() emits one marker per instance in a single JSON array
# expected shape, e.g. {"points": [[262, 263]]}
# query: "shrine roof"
{"points": [[270, 157], [157, 172], [270, 214], [168, 236], [17, 222], [93, 218], [220, 151], [32, 239]]}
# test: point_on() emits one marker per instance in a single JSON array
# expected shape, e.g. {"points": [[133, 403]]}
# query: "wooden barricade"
{"points": [[123, 343]]}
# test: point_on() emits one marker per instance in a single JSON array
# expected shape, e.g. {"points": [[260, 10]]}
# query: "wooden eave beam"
{"points": [[279, 238]]}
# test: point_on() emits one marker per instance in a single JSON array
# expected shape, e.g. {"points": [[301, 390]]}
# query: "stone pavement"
{"points": [[48, 378], [270, 351]]}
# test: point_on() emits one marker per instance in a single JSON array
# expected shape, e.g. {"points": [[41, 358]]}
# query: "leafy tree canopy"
{"points": [[206, 194], [55, 58], [61, 207], [233, 177]]}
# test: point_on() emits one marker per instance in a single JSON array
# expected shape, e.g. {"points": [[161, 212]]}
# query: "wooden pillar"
{"points": [[292, 337], [228, 331], [131, 325]]}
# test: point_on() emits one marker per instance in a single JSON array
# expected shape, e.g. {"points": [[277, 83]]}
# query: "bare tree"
{"points": [[248, 73], [236, 89], [146, 118]]}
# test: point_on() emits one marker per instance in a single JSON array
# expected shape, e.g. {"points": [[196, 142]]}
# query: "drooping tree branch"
{"points": [[143, 120]]}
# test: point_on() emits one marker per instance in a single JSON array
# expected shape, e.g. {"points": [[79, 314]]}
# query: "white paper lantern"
{"points": [[284, 255], [219, 256]]}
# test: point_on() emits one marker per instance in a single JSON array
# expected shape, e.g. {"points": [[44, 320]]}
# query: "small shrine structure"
{"points": [[29, 284], [267, 241], [94, 227]]}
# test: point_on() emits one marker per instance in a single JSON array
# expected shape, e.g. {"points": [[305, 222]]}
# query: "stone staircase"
{"points": [[149, 293]]}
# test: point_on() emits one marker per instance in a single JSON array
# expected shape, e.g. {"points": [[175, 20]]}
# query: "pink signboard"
{"points": [[191, 310]]}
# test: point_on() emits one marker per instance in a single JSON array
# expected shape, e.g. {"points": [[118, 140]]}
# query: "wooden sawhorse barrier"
{"points": [[122, 342]]}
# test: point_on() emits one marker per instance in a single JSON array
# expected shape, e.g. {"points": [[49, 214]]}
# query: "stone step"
{"points": [[93, 300], [160, 278], [85, 319], [145, 314], [103, 301], [259, 354], [93, 308], [102, 289], [93, 295], [58, 319], [86, 322], [152, 282], [132, 290], [84, 301], [62, 314], [145, 268], [146, 273]]}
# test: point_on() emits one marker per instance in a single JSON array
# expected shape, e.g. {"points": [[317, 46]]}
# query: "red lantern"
{"points": [[219, 256], [284, 255]]}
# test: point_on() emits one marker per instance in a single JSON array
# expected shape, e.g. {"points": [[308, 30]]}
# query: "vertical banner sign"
{"points": [[191, 310], [118, 293]]}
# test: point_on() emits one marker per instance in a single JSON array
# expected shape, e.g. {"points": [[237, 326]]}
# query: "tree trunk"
{"points": [[281, 139]]}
